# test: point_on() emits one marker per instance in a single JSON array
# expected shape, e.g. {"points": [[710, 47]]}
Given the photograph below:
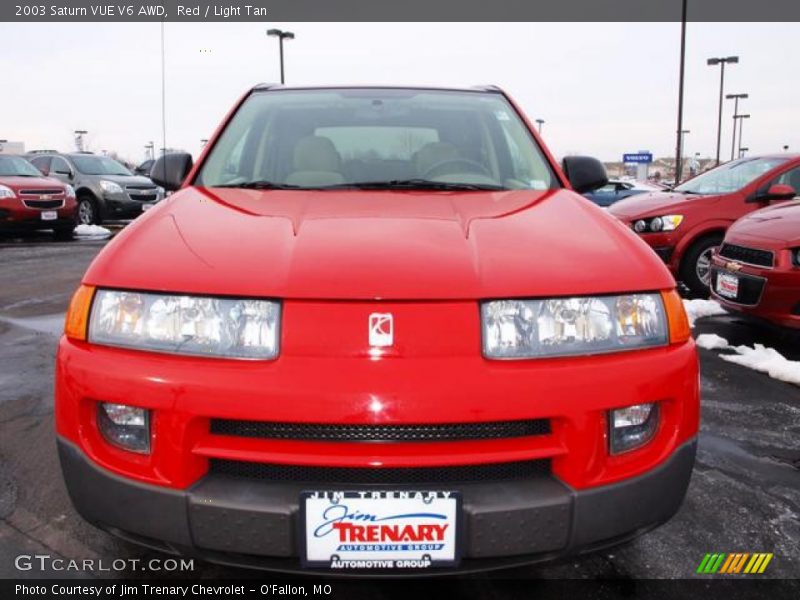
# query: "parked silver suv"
{"points": [[104, 187]]}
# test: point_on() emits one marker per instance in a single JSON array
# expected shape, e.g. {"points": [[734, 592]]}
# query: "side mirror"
{"points": [[584, 173], [170, 170], [778, 191]]}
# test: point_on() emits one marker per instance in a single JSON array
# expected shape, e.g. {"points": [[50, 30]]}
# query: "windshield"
{"points": [[729, 177], [318, 139], [14, 166], [99, 165]]}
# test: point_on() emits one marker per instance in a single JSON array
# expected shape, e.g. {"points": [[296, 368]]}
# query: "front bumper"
{"points": [[769, 294], [255, 524]]}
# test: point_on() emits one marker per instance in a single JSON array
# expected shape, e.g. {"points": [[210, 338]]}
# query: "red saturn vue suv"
{"points": [[377, 329], [31, 201], [685, 226], [757, 270]]}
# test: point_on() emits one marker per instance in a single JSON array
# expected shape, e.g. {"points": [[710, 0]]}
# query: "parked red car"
{"points": [[757, 269], [376, 330], [30, 201], [687, 225]]}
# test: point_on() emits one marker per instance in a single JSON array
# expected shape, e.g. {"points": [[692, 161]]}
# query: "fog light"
{"points": [[125, 426], [640, 226], [632, 427]]}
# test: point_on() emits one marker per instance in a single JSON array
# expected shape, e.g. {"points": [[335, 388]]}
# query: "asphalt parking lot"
{"points": [[744, 495]]}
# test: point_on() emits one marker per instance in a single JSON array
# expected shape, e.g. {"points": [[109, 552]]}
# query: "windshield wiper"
{"points": [[260, 185], [415, 184]]}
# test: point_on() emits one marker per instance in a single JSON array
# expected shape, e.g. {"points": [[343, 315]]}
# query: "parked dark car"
{"points": [[617, 189], [105, 188], [29, 201], [144, 168]]}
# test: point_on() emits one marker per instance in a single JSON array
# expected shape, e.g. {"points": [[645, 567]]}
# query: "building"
{"points": [[7, 147]]}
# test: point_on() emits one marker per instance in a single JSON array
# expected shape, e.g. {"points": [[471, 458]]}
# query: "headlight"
{"points": [[70, 191], [109, 187], [670, 222], [225, 327], [796, 257], [6, 192], [514, 329], [657, 224]]}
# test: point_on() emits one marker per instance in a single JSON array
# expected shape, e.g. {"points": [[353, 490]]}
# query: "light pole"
{"points": [[741, 122], [721, 62], [150, 148], [281, 35], [735, 98], [79, 133], [680, 89], [540, 122], [743, 151], [785, 147]]}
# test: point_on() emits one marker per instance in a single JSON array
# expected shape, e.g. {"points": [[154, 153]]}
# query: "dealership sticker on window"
{"points": [[380, 529]]}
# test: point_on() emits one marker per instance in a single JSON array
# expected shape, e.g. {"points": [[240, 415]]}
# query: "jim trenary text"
{"points": [[141, 590]]}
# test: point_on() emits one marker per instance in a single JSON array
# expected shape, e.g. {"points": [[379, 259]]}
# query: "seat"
{"points": [[316, 162]]}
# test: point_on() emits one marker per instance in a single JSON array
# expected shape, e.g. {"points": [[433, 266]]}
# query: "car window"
{"points": [[790, 177], [99, 165], [324, 138], [42, 163], [15, 166], [730, 177], [60, 166]]}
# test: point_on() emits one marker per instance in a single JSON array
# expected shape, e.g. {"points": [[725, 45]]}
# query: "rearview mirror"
{"points": [[170, 170], [778, 191], [584, 173]]}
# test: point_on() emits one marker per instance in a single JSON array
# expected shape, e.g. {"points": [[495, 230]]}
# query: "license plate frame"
{"points": [[727, 285], [49, 215], [415, 560]]}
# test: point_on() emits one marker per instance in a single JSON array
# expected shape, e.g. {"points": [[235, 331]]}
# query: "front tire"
{"points": [[695, 269], [88, 211]]}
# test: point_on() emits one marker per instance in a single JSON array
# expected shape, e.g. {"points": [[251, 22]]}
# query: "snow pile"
{"points": [[91, 231], [766, 360], [712, 341], [699, 308], [759, 358]]}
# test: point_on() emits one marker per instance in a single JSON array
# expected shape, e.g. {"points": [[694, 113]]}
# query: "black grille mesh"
{"points": [[382, 475], [438, 432], [751, 256], [43, 203]]}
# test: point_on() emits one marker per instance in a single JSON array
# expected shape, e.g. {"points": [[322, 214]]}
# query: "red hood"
{"points": [[24, 183], [653, 204], [383, 244], [780, 222]]}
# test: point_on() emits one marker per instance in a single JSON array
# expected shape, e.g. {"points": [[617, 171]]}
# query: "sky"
{"points": [[603, 89]]}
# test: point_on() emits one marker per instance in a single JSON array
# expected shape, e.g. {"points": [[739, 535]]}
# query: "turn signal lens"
{"points": [[77, 320], [679, 329]]}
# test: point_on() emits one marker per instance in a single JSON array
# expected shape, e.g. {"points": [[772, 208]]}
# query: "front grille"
{"points": [[438, 432], [42, 192], [43, 203], [144, 197], [381, 475], [751, 256], [148, 188]]}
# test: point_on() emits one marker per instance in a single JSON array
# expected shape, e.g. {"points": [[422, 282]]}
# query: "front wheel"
{"points": [[696, 265], [87, 211]]}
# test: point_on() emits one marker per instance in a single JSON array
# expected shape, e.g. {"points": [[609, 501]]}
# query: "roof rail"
{"points": [[42, 152], [489, 87]]}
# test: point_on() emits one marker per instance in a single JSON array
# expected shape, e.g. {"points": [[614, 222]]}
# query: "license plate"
{"points": [[371, 530], [49, 215], [727, 285], [148, 206]]}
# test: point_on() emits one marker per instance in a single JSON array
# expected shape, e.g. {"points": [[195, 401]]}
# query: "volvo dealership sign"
{"points": [[639, 158]]}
